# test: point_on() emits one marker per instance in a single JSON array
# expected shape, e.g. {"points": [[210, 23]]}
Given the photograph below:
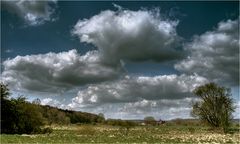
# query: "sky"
{"points": [[126, 60]]}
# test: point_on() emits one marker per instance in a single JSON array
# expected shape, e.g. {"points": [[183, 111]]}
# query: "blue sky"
{"points": [[128, 58]]}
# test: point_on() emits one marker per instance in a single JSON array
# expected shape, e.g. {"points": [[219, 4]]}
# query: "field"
{"points": [[115, 134]]}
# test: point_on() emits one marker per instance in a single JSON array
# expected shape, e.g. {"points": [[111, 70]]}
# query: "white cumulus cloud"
{"points": [[132, 35], [215, 54], [56, 72], [160, 109], [133, 89], [34, 12]]}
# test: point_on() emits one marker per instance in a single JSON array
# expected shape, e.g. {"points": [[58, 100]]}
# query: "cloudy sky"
{"points": [[124, 59]]}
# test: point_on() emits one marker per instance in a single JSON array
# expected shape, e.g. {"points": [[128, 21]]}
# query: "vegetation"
{"points": [[125, 125], [150, 120], [31, 122], [88, 133], [19, 116], [216, 106]]}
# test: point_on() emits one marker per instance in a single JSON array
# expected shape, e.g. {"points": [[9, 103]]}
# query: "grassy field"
{"points": [[139, 134]]}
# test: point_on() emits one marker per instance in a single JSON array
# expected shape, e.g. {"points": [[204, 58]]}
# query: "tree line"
{"points": [[19, 116], [214, 107]]}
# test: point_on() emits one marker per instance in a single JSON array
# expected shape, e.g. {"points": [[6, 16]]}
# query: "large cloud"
{"points": [[56, 72], [215, 54], [133, 89], [131, 35], [34, 12], [163, 108]]}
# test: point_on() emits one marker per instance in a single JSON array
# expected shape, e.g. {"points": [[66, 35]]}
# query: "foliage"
{"points": [[8, 117], [101, 118], [37, 101], [81, 117], [150, 120], [19, 116], [119, 122], [29, 118], [54, 116], [4, 91], [216, 106]]}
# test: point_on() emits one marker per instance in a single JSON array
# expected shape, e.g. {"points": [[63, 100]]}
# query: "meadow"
{"points": [[165, 133]]}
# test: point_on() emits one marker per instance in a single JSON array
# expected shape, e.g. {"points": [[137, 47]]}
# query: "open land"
{"points": [[139, 134]]}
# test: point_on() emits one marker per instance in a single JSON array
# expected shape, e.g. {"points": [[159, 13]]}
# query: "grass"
{"points": [[139, 134]]}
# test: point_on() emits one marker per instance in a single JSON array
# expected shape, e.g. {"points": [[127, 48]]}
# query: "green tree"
{"points": [[216, 106], [55, 116], [150, 120], [4, 91], [100, 118], [8, 112], [17, 115], [29, 118], [36, 101]]}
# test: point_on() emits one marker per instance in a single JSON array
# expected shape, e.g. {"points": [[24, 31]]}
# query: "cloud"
{"points": [[49, 101], [215, 54], [57, 72], [34, 12], [53, 102], [133, 89], [236, 114], [131, 35], [161, 109], [8, 51]]}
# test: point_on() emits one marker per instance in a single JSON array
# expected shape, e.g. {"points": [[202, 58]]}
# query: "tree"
{"points": [[4, 91], [55, 116], [36, 101], [150, 120], [17, 115], [8, 114], [29, 118], [215, 107], [100, 118]]}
